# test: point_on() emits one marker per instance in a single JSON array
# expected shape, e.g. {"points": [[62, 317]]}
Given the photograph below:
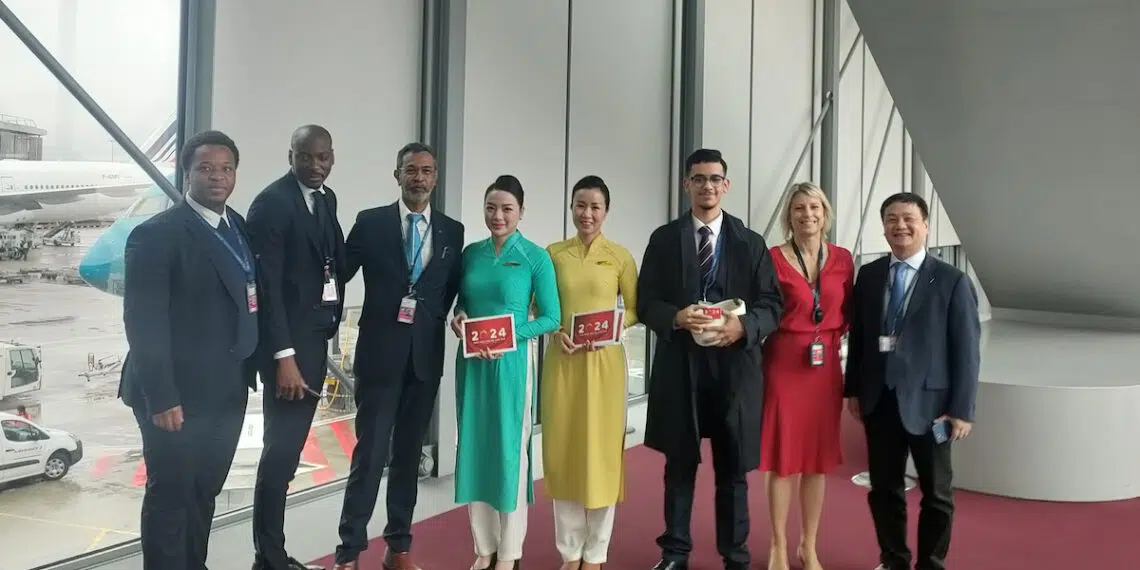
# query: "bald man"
{"points": [[294, 230]]}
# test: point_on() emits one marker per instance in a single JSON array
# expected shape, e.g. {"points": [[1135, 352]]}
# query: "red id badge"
{"points": [[251, 296], [815, 353]]}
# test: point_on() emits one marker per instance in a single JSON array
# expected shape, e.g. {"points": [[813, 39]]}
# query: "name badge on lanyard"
{"points": [[330, 295], [251, 296], [407, 314], [816, 350]]}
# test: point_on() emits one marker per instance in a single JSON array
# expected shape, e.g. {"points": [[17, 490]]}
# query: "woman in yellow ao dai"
{"points": [[583, 395]]}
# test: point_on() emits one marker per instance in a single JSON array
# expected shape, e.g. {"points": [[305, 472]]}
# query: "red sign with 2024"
{"points": [[600, 327], [495, 334]]}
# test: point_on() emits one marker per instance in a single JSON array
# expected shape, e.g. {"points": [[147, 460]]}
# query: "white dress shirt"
{"points": [[212, 218], [307, 194], [422, 226]]}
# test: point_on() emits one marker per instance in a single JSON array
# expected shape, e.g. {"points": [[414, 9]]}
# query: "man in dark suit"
{"points": [[913, 361], [412, 260], [294, 230], [713, 392], [190, 309]]}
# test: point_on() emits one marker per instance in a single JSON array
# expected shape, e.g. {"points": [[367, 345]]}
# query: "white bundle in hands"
{"points": [[718, 312]]}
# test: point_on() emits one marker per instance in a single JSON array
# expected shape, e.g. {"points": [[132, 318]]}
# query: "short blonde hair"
{"points": [[810, 190]]}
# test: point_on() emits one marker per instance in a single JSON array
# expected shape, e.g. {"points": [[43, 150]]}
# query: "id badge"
{"points": [[330, 295], [815, 353], [886, 343], [251, 296], [407, 312]]}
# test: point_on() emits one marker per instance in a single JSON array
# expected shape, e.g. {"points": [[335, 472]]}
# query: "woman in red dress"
{"points": [[803, 380]]}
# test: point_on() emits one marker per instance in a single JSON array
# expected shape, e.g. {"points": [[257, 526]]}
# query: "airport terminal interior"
{"points": [[1014, 119]]}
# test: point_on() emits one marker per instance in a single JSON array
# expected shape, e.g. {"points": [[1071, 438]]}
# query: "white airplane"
{"points": [[55, 192]]}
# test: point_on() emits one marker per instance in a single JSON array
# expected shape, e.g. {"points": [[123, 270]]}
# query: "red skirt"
{"points": [[802, 405]]}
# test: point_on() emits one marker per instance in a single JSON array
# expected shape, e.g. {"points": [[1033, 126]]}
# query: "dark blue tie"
{"points": [[898, 296], [706, 254], [230, 236]]}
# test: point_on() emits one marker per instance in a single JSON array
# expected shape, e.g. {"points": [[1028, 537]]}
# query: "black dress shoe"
{"points": [[671, 565]]}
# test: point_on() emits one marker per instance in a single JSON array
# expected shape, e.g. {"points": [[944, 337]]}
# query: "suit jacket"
{"points": [[669, 282], [186, 317], [385, 346], [289, 242], [937, 355]]}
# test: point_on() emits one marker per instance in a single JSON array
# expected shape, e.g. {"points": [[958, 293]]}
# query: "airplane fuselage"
{"points": [[56, 184]]}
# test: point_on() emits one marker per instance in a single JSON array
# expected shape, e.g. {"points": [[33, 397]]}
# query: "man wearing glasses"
{"points": [[713, 389]]}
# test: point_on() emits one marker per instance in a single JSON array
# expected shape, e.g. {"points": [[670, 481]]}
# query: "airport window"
{"points": [[61, 262]]}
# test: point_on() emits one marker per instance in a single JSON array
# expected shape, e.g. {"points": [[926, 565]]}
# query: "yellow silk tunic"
{"points": [[583, 395]]}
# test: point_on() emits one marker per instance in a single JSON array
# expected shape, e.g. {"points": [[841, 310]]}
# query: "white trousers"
{"points": [[581, 533], [504, 533]]}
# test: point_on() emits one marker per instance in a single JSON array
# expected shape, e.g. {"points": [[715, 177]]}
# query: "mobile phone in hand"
{"points": [[941, 431]]}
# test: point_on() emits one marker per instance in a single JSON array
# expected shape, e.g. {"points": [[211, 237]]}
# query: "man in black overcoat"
{"points": [[714, 391]]}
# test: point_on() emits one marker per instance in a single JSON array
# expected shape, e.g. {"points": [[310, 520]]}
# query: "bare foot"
{"points": [[809, 559], [481, 563], [777, 558]]}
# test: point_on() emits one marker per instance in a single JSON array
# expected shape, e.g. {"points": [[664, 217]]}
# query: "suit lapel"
{"points": [[219, 256], [396, 234], [732, 254], [690, 280], [876, 275]]}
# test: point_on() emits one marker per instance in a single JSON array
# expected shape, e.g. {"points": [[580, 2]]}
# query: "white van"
{"points": [[30, 450]]}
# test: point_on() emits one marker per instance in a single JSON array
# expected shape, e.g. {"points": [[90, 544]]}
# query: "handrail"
{"points": [[874, 180], [828, 99]]}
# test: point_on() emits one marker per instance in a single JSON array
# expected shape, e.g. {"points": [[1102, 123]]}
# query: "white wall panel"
{"points": [[727, 93], [272, 75], [783, 99], [849, 200], [621, 113], [514, 119]]}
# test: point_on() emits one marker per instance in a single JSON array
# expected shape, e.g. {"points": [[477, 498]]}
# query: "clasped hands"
{"points": [[568, 347], [694, 319]]}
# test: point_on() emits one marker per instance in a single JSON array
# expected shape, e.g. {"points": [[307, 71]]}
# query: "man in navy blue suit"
{"points": [[912, 378], [412, 257], [190, 309]]}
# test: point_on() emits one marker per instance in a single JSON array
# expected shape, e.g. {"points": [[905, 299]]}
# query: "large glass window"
{"points": [[65, 192]]}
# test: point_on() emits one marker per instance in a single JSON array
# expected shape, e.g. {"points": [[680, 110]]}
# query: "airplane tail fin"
{"points": [[161, 145]]}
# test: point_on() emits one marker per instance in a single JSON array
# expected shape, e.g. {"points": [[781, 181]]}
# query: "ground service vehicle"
{"points": [[28, 449], [19, 369]]}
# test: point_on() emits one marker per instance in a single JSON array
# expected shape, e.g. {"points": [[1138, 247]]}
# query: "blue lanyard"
{"points": [[240, 258], [891, 322]]}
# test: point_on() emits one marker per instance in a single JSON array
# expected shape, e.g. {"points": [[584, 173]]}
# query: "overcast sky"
{"points": [[123, 52]]}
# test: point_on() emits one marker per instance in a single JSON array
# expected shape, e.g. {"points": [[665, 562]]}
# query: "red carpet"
{"points": [[990, 533]]}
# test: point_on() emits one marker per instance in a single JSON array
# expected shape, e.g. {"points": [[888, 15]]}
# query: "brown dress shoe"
{"points": [[399, 561]]}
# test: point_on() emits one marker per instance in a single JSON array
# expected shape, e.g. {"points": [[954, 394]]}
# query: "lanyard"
{"points": [[412, 227], [891, 322], [241, 258], [816, 309]]}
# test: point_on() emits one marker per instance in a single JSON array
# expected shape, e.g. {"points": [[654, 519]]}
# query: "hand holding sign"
{"points": [[596, 328], [488, 337]]}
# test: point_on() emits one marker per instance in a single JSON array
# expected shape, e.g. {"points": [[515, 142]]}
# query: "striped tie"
{"points": [[706, 254]]}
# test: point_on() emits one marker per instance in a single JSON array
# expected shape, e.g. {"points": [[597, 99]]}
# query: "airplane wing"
{"points": [[17, 200]]}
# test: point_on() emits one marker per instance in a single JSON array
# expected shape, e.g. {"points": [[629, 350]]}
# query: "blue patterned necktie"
{"points": [[898, 295], [706, 255], [413, 246]]}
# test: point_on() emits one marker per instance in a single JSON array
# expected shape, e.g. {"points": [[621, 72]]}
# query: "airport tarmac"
{"points": [[80, 332]]}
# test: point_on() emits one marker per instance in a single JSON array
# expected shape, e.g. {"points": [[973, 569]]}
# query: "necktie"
{"points": [[705, 253], [230, 236], [413, 246], [318, 205], [898, 295]]}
